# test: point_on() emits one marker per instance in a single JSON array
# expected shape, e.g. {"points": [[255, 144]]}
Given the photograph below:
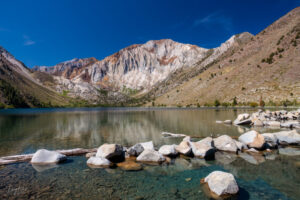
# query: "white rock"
{"points": [[219, 122], [110, 151], [252, 139], [168, 150], [99, 161], [187, 139], [203, 148], [149, 155], [167, 134], [240, 145], [221, 183], [272, 123], [44, 156], [184, 148], [225, 143], [228, 121], [148, 145], [290, 137], [290, 124], [271, 139], [135, 150]]}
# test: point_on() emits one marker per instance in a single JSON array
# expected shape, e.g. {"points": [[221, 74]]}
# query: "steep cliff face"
{"points": [[136, 68]]}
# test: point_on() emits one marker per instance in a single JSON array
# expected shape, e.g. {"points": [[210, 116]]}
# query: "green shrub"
{"points": [[234, 102], [253, 104], [217, 103]]}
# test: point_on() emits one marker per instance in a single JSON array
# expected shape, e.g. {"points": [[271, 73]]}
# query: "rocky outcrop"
{"points": [[44, 156], [225, 143], [252, 139], [149, 155], [222, 183]]}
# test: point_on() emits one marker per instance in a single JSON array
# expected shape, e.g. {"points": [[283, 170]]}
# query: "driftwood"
{"points": [[27, 157]]}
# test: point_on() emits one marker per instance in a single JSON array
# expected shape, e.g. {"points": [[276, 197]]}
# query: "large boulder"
{"points": [[44, 156], [99, 162], [168, 150], [135, 150], [270, 139], [241, 146], [275, 124], [288, 137], [243, 119], [252, 139], [222, 183], [112, 152], [203, 148], [149, 155], [225, 143], [184, 148], [148, 145]]}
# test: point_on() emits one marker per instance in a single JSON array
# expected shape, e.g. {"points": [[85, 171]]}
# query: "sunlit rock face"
{"points": [[138, 67]]}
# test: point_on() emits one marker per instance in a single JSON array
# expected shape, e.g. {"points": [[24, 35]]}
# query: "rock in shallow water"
{"points": [[221, 183], [184, 148], [225, 143], [44, 156], [252, 139], [168, 150], [135, 150], [289, 151], [203, 148], [289, 137], [99, 161], [149, 155], [243, 119], [130, 165], [112, 152]]}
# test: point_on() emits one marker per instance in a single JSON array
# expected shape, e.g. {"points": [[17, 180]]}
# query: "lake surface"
{"points": [[269, 176]]}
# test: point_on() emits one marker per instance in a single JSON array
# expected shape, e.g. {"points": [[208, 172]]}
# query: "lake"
{"points": [[271, 176]]}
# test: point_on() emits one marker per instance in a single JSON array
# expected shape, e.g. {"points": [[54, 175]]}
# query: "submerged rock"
{"points": [[44, 156], [225, 143], [99, 161], [228, 121], [252, 158], [168, 150], [289, 151], [225, 157], [167, 134], [130, 165], [272, 123], [112, 152], [252, 139], [221, 183], [149, 155], [148, 145], [290, 124], [203, 148], [288, 137]]}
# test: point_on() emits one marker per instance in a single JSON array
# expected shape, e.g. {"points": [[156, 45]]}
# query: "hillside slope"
{"points": [[19, 88], [267, 67]]}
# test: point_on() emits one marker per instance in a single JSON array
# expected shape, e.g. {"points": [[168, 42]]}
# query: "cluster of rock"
{"points": [[282, 118], [219, 183]]}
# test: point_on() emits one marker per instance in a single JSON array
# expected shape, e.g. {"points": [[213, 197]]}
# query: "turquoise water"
{"points": [[269, 176]]}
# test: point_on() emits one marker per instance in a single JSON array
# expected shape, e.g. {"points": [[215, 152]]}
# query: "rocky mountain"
{"points": [[20, 88], [133, 70], [264, 68], [245, 68]]}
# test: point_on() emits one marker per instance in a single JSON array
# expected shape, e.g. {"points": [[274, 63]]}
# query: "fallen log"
{"points": [[27, 157]]}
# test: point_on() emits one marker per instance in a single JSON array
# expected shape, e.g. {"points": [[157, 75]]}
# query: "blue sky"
{"points": [[48, 32]]}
